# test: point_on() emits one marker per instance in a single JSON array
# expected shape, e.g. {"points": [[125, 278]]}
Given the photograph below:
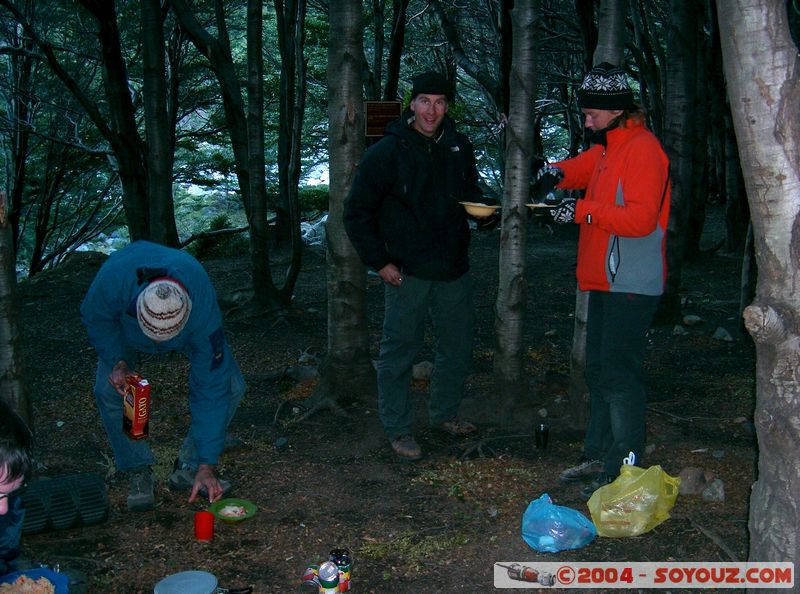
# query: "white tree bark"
{"points": [[512, 290], [610, 46], [762, 71]]}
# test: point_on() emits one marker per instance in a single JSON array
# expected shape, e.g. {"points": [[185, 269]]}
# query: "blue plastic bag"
{"points": [[549, 528]]}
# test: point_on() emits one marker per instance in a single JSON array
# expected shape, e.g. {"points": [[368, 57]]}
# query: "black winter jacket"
{"points": [[403, 207]]}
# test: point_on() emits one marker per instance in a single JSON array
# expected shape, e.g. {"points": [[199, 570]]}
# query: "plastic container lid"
{"points": [[187, 582]]}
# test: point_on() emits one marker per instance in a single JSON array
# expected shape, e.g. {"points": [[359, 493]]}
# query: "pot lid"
{"points": [[187, 582]]}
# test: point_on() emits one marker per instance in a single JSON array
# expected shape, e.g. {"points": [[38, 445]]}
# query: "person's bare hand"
{"points": [[206, 478], [391, 275], [118, 377]]}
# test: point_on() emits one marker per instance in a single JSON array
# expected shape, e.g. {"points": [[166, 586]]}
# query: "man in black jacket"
{"points": [[404, 219]]}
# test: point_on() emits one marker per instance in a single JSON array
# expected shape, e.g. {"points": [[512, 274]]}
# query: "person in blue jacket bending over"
{"points": [[147, 298]]}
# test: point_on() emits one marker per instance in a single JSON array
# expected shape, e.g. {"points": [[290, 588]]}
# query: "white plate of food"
{"points": [[232, 510]]}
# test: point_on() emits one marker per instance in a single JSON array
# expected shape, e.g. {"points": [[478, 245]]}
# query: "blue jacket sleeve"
{"points": [[209, 377], [101, 313], [10, 533]]}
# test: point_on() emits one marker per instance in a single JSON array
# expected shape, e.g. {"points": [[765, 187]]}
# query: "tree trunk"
{"points": [[679, 143], [763, 74], [12, 388], [396, 45], [650, 59], [291, 40], [372, 79], [512, 295], [218, 52], [611, 34], [21, 117], [476, 71], [123, 131], [584, 9], [157, 124], [348, 369], [259, 247], [577, 392]]}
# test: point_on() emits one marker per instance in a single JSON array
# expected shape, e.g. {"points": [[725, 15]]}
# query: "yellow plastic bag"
{"points": [[636, 502]]}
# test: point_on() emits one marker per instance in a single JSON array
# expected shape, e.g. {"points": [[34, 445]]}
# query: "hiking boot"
{"points": [[457, 427], [140, 496], [406, 448], [182, 479], [601, 479], [584, 469]]}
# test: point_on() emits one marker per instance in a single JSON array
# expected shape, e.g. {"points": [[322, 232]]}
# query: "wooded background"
{"points": [[172, 120]]}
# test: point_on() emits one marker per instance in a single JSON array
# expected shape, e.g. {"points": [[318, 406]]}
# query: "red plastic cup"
{"points": [[203, 526]]}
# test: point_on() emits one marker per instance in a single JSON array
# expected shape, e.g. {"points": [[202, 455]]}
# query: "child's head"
{"points": [[15, 455]]}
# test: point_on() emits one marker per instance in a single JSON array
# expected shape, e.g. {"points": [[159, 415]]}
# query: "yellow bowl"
{"points": [[476, 209]]}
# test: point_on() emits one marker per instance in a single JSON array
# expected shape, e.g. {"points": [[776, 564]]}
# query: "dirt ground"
{"points": [[435, 526]]}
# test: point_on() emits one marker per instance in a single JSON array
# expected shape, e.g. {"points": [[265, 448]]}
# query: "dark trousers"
{"points": [[407, 308], [617, 325]]}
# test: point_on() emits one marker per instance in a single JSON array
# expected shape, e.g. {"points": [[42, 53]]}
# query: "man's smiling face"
{"points": [[429, 112]]}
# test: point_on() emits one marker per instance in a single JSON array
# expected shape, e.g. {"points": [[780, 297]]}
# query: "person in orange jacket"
{"points": [[621, 263]]}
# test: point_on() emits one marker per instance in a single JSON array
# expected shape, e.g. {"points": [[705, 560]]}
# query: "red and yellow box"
{"points": [[136, 417]]}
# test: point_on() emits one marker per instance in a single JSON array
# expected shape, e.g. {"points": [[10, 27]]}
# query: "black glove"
{"points": [[546, 180], [564, 212]]}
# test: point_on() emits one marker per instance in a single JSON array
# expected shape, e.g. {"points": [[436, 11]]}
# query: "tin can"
{"points": [[311, 577], [136, 416], [343, 562], [329, 578]]}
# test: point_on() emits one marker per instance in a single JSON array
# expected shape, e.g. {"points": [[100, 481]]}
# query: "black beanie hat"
{"points": [[605, 87], [431, 83]]}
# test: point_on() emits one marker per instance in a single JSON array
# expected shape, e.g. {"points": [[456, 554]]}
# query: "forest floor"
{"points": [[434, 526]]}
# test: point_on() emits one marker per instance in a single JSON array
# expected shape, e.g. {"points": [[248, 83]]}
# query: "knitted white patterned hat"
{"points": [[163, 309], [605, 87]]}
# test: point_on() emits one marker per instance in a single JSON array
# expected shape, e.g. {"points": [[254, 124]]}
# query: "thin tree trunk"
{"points": [[21, 81], [679, 143], [577, 392], [512, 293], [762, 70], [12, 388], [259, 248], [159, 153], [611, 34], [217, 50], [291, 40], [396, 45], [347, 367], [121, 132]]}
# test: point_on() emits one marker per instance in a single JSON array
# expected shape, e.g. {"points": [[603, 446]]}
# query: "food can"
{"points": [[136, 417], [344, 563], [311, 577], [329, 578]]}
